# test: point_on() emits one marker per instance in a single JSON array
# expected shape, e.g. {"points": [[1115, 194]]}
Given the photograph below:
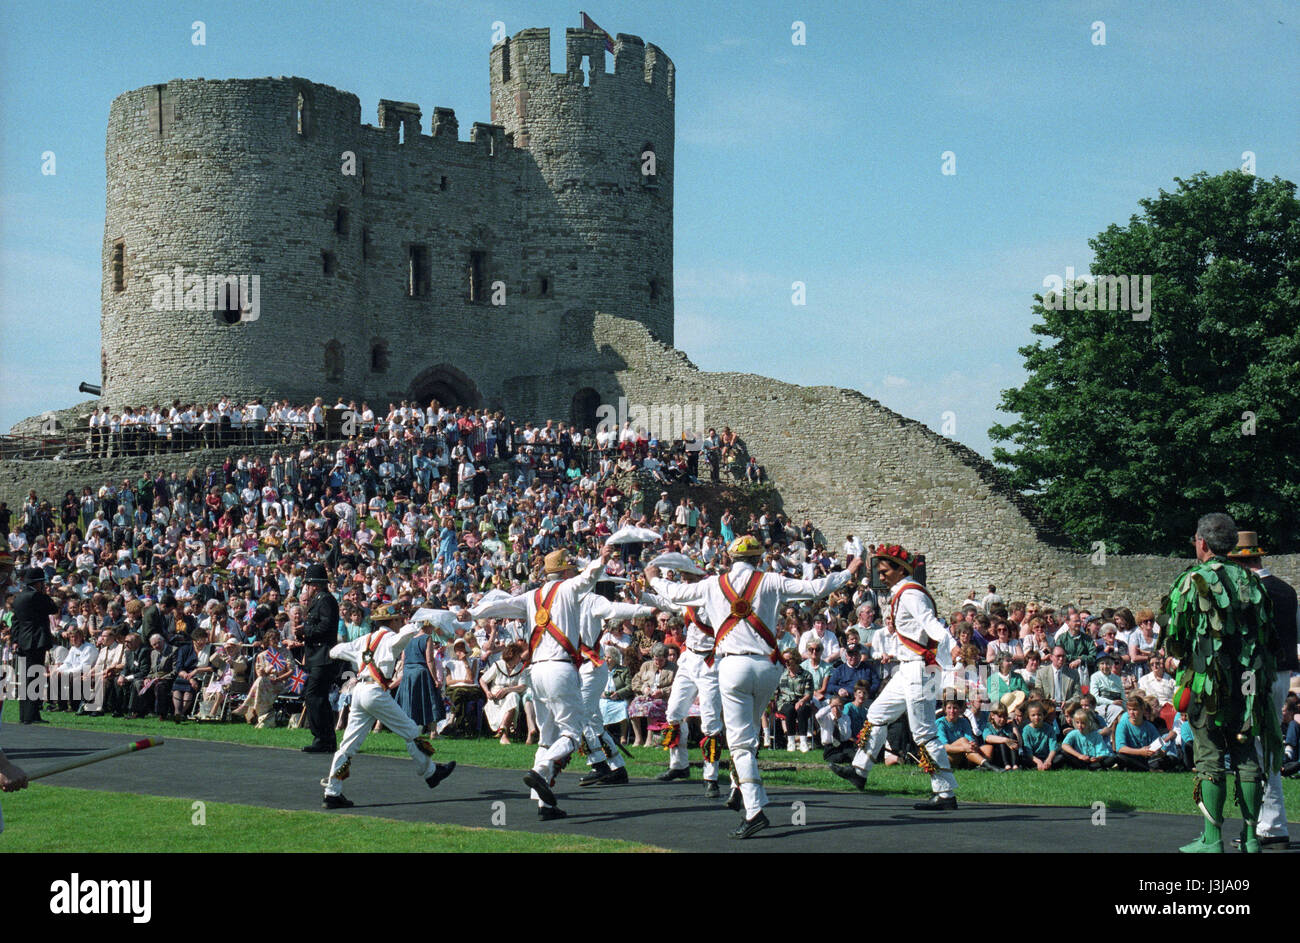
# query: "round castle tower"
{"points": [[260, 240], [603, 143]]}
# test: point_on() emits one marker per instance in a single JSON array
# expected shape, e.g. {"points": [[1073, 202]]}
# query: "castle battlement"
{"points": [[376, 245], [526, 57]]}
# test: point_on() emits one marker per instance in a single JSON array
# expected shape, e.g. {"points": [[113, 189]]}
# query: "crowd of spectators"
{"points": [[177, 594]]}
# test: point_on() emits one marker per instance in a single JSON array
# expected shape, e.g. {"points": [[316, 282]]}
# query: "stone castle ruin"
{"points": [[260, 239]]}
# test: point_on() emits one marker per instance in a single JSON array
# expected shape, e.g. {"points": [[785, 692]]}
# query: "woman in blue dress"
{"points": [[419, 693]]}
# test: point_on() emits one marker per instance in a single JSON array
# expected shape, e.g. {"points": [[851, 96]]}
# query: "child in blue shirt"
{"points": [[1039, 743], [958, 738], [1134, 734], [1084, 747]]}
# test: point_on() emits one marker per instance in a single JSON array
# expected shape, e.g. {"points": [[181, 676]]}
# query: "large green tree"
{"points": [[1130, 429]]}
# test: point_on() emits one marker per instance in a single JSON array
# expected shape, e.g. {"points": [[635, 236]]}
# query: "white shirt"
{"points": [[772, 593], [386, 653], [566, 611], [833, 730], [80, 658], [830, 644], [596, 609], [914, 619]]}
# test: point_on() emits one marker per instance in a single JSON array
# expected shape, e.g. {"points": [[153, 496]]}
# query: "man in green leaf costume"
{"points": [[1217, 620]]}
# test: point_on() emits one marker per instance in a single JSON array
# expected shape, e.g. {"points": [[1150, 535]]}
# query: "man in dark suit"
{"points": [[32, 638], [319, 633], [1272, 827], [135, 667], [1057, 681]]}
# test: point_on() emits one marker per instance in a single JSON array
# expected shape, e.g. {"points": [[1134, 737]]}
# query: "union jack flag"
{"points": [[275, 660], [297, 680]]}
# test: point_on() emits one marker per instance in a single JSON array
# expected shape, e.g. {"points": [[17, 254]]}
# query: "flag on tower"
{"points": [[589, 23]]}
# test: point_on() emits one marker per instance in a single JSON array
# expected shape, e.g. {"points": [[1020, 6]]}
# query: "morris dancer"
{"points": [[603, 756], [1218, 621], [374, 657], [743, 603], [697, 675], [554, 610], [914, 688]]}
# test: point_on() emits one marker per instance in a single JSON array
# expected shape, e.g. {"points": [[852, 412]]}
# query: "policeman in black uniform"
{"points": [[320, 632], [31, 635]]}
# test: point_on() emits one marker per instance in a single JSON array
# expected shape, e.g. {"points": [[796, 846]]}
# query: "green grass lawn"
{"points": [[1147, 792], [37, 820]]}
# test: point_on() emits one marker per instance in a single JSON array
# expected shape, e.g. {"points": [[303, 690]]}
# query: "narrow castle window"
{"points": [[544, 286], [302, 117], [442, 183], [365, 243], [417, 283], [586, 71], [329, 264], [341, 221], [379, 356], [333, 361], [119, 265], [654, 289], [477, 279]]}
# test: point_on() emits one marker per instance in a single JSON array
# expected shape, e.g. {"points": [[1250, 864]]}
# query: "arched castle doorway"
{"points": [[447, 385], [583, 412]]}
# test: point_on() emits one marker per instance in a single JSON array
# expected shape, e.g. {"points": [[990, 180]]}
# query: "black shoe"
{"points": [[710, 789], [593, 777], [937, 803], [548, 813], [850, 773], [318, 748], [735, 801], [670, 775], [336, 802], [442, 772], [750, 826], [535, 782], [615, 777]]}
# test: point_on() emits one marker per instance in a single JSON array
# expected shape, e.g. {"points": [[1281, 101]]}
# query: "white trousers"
{"points": [[695, 678], [747, 683], [372, 703], [558, 702], [1272, 813], [912, 691], [601, 747]]}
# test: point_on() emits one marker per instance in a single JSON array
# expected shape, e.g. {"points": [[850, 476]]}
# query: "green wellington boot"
{"points": [[1250, 797], [1209, 797]]}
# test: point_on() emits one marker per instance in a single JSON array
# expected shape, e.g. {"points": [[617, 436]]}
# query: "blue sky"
{"points": [[818, 163]]}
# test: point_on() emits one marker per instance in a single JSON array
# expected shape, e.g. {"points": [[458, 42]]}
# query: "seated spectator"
{"points": [[1084, 747], [819, 671], [71, 679], [1107, 687], [1039, 744], [794, 706], [958, 738], [193, 670], [651, 685], [229, 676], [1000, 747], [152, 693], [837, 738], [853, 667], [1138, 745], [821, 634], [1005, 679], [462, 678], [504, 684], [1157, 682], [272, 668], [617, 694]]}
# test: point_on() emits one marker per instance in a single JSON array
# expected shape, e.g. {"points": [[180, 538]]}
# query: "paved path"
{"points": [[674, 815]]}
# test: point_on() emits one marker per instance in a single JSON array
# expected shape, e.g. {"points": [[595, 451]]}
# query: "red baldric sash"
{"points": [[592, 656], [927, 652], [368, 656], [742, 610], [543, 623], [693, 618]]}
